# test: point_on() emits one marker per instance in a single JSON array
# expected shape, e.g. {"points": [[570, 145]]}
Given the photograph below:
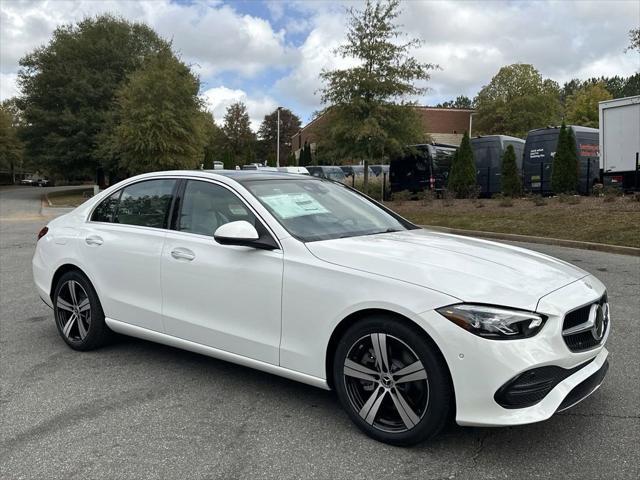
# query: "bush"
{"points": [[503, 200], [462, 177], [426, 196], [596, 191], [401, 196], [539, 200], [448, 197], [511, 182], [564, 173], [611, 194]]}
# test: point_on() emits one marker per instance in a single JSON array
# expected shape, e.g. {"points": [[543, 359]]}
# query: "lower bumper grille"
{"points": [[530, 387], [585, 388]]}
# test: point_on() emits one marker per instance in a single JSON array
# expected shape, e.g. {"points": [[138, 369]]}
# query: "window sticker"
{"points": [[290, 205]]}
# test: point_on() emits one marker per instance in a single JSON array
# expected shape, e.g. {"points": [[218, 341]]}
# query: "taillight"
{"points": [[42, 232]]}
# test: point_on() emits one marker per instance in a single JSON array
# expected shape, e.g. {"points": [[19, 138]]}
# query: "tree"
{"points": [[240, 139], [160, 122], [268, 132], [582, 106], [461, 101], [462, 177], [69, 87], [214, 141], [517, 100], [11, 148], [366, 117], [305, 156], [510, 179], [634, 40], [564, 172]]}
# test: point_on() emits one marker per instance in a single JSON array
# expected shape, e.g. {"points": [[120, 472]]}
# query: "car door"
{"points": [[121, 248], [222, 296]]}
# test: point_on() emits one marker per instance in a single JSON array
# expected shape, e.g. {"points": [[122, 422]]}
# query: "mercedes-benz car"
{"points": [[308, 279]]}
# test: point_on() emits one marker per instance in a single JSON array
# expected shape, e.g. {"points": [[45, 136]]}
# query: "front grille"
{"points": [[583, 340], [530, 387]]}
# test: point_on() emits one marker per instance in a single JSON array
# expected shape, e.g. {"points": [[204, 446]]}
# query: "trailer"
{"points": [[487, 154], [620, 142], [540, 148]]}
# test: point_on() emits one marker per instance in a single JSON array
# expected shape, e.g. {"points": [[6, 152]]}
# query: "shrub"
{"points": [[511, 182], [564, 173], [503, 200], [448, 197], [611, 194], [401, 196], [426, 196], [462, 177], [596, 191], [539, 200]]}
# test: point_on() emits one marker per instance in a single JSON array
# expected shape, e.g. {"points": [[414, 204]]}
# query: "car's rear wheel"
{"points": [[78, 313], [391, 381]]}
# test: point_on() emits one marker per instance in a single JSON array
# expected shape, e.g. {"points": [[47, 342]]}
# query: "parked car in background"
{"points": [[259, 166], [379, 170], [620, 142], [297, 170], [311, 280], [218, 165], [44, 182], [27, 181], [540, 148], [487, 153], [355, 170], [422, 167], [330, 172]]}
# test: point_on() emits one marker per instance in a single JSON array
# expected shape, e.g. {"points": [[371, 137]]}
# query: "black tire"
{"points": [[88, 330], [425, 402]]}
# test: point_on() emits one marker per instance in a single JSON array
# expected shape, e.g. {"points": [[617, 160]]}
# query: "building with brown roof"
{"points": [[442, 125]]}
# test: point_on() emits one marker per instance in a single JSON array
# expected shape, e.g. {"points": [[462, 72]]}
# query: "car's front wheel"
{"points": [[391, 381], [78, 313]]}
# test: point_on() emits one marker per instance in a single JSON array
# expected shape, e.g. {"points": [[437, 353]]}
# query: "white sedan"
{"points": [[308, 279]]}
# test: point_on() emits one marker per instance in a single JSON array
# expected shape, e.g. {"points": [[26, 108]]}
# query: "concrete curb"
{"points": [[601, 247]]}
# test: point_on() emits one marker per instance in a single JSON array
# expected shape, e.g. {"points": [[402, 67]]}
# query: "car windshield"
{"points": [[312, 210]]}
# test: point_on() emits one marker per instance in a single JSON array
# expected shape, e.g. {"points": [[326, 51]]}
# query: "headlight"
{"points": [[493, 322]]}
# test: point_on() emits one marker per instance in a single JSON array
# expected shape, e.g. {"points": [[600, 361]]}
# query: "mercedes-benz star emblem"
{"points": [[598, 327]]}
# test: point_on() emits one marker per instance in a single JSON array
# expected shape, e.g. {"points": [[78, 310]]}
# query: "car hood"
{"points": [[469, 269]]}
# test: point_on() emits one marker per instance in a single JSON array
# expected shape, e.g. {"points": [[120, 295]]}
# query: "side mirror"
{"points": [[244, 234]]}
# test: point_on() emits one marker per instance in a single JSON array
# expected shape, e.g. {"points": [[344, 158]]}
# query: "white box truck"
{"points": [[620, 142]]}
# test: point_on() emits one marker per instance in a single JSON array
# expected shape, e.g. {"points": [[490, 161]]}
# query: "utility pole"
{"points": [[278, 141]]}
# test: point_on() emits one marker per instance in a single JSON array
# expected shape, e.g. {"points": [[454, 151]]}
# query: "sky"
{"points": [[270, 53]]}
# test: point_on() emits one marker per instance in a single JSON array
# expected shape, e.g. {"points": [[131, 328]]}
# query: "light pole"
{"points": [[278, 140]]}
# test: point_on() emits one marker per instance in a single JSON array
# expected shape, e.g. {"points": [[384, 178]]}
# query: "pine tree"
{"points": [[462, 177], [564, 173], [511, 182]]}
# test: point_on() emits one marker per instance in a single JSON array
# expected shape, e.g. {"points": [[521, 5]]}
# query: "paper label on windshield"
{"points": [[294, 205]]}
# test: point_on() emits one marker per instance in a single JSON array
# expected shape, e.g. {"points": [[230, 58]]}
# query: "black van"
{"points": [[540, 148], [487, 153], [421, 167]]}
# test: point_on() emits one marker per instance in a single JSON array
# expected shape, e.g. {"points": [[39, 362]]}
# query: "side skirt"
{"points": [[145, 334]]}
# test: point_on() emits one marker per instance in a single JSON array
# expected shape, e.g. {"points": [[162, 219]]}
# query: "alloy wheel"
{"points": [[73, 311], [386, 383]]}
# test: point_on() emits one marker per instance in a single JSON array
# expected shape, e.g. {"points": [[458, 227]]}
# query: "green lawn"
{"points": [[590, 220], [71, 198]]}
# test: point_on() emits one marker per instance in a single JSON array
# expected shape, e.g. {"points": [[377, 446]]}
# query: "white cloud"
{"points": [[219, 98], [211, 35], [8, 85]]}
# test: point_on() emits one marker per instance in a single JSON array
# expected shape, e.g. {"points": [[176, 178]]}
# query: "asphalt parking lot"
{"points": [[140, 410]]}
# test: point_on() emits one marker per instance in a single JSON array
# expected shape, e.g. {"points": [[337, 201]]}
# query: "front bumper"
{"points": [[479, 367]]}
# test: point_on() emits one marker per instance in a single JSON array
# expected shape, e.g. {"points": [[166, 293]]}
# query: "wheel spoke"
{"points": [[64, 305], [67, 327], [354, 369], [84, 305], [379, 341], [411, 373], [408, 416], [370, 409], [81, 328], [72, 291]]}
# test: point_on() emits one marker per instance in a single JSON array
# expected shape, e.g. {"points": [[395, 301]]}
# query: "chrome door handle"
{"points": [[183, 254], [93, 240]]}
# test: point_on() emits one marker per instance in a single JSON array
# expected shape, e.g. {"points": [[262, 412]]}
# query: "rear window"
{"points": [[144, 203]]}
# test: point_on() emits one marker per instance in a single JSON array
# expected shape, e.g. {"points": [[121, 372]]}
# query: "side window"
{"points": [[107, 210], [206, 206], [145, 203]]}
